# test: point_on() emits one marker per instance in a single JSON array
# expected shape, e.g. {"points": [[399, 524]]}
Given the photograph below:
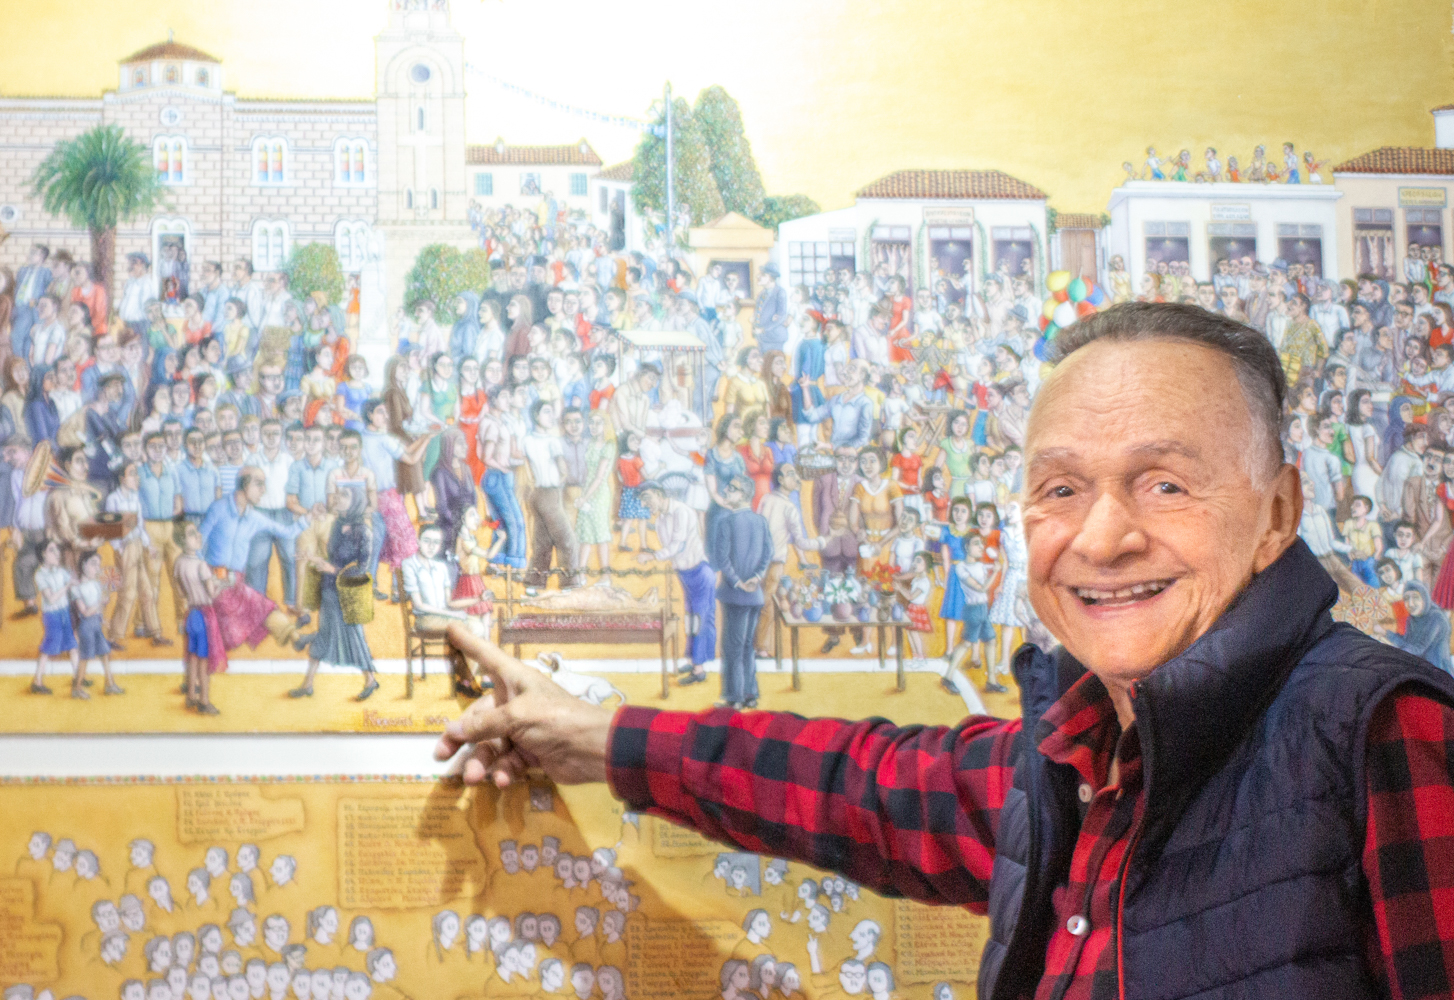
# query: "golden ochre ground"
{"points": [[259, 702]]}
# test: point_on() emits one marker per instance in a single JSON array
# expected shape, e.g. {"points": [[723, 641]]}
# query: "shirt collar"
{"points": [[1084, 730]]}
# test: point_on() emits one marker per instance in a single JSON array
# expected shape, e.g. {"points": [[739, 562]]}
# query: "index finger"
{"points": [[508, 674]]}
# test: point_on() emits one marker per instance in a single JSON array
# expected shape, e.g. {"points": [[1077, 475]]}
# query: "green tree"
{"points": [[441, 272], [695, 186], [314, 267], [97, 180], [777, 209], [720, 121]]}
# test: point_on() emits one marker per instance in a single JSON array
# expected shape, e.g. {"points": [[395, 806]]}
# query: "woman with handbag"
{"points": [[340, 638]]}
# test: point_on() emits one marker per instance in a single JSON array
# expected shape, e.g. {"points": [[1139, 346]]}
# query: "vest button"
{"points": [[1086, 792], [1077, 925]]}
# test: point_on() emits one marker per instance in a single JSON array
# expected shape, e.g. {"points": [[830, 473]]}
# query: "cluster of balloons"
{"points": [[1070, 300]]}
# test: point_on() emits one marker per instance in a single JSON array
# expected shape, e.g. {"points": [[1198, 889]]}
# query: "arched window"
{"points": [[204, 79], [172, 74], [138, 77], [271, 244], [420, 119], [350, 159], [350, 239], [270, 160], [434, 197], [169, 153]]}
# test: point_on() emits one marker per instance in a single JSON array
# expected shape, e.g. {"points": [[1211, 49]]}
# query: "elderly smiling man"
{"points": [[1214, 791]]}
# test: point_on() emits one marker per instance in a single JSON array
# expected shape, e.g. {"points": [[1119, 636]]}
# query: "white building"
{"points": [[924, 224], [524, 176], [612, 209], [1397, 200], [1156, 221]]}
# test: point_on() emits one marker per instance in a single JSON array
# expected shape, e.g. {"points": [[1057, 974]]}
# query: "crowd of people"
{"points": [[1258, 169], [528, 427]]}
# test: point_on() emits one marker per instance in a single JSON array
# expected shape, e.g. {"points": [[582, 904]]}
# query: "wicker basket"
{"points": [[809, 471], [356, 595]]}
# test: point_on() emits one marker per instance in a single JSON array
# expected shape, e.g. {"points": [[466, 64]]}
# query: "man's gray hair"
{"points": [[1254, 359]]}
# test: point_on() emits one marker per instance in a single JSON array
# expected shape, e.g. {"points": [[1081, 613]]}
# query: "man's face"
{"points": [[272, 437], [232, 446], [107, 919], [352, 450], [429, 543], [1141, 516], [133, 918], [851, 977], [1404, 538], [573, 425], [530, 858], [275, 934]]}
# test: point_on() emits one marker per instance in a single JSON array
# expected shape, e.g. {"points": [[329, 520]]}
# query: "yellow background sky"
{"points": [[836, 94]]}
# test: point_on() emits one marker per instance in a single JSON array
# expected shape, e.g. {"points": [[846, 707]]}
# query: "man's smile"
{"points": [[1120, 596]]}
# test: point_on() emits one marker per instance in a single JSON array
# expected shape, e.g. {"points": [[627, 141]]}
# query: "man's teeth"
{"points": [[1126, 595]]}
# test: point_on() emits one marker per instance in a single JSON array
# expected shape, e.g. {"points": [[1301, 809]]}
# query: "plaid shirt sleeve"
{"points": [[1408, 855], [906, 811]]}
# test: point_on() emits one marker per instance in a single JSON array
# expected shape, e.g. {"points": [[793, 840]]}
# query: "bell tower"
{"points": [[420, 87]]}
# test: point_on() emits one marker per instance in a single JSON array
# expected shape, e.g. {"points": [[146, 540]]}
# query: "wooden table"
{"points": [[785, 618], [661, 631]]}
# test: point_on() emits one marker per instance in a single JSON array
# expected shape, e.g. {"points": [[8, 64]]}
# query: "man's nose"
{"points": [[1110, 531]]}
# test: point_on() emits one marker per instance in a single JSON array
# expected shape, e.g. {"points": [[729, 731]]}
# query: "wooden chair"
{"points": [[418, 643]]}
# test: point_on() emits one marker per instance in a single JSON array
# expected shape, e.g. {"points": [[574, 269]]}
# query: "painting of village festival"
{"points": [[545, 408]]}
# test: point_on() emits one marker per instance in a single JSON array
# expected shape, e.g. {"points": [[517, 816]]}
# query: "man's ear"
{"points": [[1284, 514]]}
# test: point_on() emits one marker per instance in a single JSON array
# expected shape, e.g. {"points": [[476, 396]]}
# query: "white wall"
{"points": [[1266, 205]]}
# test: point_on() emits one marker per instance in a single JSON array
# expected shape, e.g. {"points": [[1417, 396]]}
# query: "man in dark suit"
{"points": [[770, 321], [31, 282], [741, 549], [831, 494]]}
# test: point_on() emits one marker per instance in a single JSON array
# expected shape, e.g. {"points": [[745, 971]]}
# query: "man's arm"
{"points": [[864, 433], [755, 779], [721, 551], [1406, 853]]}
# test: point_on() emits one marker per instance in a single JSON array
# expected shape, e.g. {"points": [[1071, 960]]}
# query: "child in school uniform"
{"points": [[53, 584], [88, 596], [628, 470]]}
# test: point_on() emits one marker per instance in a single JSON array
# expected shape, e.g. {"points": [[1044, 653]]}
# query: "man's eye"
{"points": [[1062, 492], [1167, 489]]}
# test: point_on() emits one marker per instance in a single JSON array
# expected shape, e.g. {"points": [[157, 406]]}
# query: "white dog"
{"points": [[592, 690]]}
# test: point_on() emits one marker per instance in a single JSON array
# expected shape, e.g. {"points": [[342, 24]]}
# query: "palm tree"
{"points": [[97, 180]]}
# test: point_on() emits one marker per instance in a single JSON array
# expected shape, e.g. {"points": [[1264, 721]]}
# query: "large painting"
{"points": [[318, 371]]}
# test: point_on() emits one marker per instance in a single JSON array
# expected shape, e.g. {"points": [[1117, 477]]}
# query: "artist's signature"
{"points": [[378, 720]]}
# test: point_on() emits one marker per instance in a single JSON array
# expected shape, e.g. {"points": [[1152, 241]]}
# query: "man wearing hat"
{"points": [[138, 290], [770, 322]]}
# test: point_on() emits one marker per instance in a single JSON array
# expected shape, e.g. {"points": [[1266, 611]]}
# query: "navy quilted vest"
{"points": [[1246, 880]]}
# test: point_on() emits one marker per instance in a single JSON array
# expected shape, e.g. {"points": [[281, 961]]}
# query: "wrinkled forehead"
{"points": [[1111, 398]]}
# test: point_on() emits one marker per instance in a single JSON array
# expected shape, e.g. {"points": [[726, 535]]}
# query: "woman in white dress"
{"points": [[1003, 611], [1363, 440]]}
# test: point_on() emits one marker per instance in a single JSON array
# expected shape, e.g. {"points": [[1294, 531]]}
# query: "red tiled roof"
{"points": [[1077, 220], [950, 184], [1400, 160], [621, 172], [170, 50], [498, 154]]}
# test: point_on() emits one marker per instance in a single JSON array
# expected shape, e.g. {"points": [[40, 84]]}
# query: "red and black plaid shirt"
{"points": [[914, 810]]}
